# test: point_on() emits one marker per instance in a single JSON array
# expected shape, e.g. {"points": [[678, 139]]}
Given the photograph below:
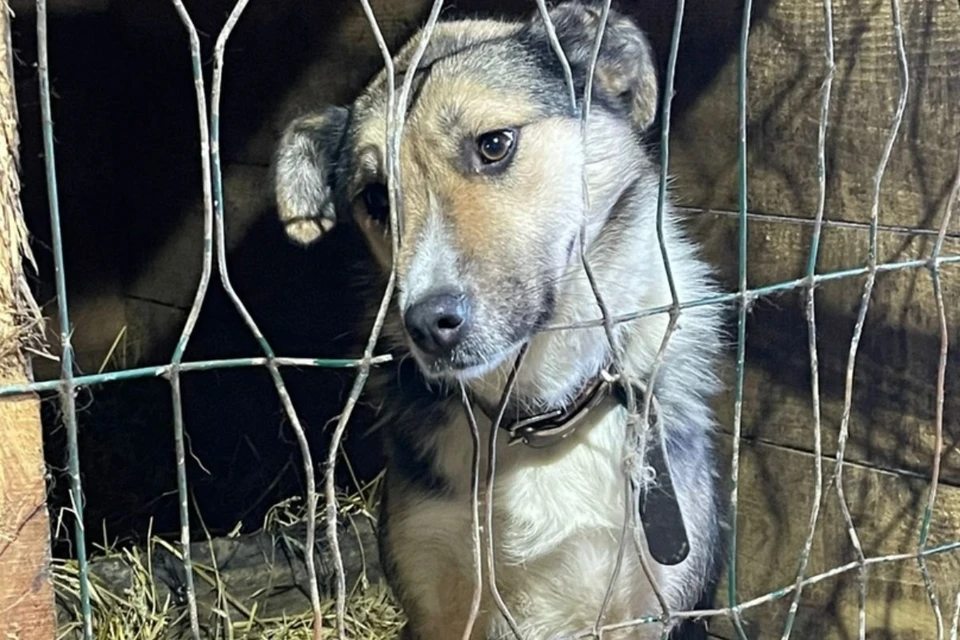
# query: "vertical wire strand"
{"points": [[183, 503], [862, 316], [744, 304], [474, 515], [955, 623], [934, 266], [393, 187], [631, 482], [630, 524], [674, 314], [810, 312], [489, 489], [558, 51], [629, 513], [938, 449], [67, 389], [274, 371], [399, 113]]}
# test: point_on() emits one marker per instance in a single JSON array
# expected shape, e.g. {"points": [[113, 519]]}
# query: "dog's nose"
{"points": [[438, 322]]}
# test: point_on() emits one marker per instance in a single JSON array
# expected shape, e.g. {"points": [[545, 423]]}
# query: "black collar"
{"points": [[660, 513]]}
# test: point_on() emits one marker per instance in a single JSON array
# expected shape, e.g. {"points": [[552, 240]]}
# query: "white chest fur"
{"points": [[558, 519]]}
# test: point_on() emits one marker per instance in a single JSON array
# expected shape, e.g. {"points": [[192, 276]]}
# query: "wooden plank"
{"points": [[776, 495], [26, 594], [892, 418], [786, 72]]}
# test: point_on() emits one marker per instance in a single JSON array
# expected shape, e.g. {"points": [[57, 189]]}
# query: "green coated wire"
{"points": [[66, 384], [341, 363], [183, 496]]}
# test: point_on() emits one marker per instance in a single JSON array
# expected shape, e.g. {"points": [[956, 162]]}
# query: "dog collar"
{"points": [[660, 514]]}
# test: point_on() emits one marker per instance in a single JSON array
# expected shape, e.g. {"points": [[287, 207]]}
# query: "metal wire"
{"points": [[159, 371], [862, 317], [66, 386], [934, 267], [777, 594], [275, 376], [476, 537], [752, 295], [183, 495], [744, 300], [812, 321], [489, 485]]}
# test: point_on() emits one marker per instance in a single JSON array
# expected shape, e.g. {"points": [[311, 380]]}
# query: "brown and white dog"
{"points": [[492, 160]]}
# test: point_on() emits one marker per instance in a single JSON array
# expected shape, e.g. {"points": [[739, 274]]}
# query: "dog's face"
{"points": [[493, 164]]}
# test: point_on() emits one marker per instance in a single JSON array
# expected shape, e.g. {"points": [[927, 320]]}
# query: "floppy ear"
{"points": [[625, 73], [305, 173]]}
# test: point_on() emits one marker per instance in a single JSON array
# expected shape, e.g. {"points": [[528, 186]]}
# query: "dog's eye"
{"points": [[377, 201], [496, 146]]}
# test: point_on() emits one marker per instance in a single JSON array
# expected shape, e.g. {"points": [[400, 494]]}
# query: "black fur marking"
{"points": [[415, 410], [570, 246], [682, 440], [342, 168], [553, 94]]}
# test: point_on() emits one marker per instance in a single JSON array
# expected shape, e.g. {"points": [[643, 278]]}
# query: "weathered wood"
{"points": [[892, 424], [786, 72], [887, 509], [26, 596], [892, 417]]}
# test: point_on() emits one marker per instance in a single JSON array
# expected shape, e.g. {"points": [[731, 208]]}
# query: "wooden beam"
{"points": [[776, 496], [26, 592]]}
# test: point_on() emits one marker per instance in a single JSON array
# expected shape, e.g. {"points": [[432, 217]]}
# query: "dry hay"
{"points": [[141, 611]]}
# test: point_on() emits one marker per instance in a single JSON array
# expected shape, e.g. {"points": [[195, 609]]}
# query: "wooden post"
{"points": [[26, 592]]}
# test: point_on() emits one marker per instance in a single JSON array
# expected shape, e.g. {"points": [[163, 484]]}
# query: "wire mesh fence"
{"points": [[482, 488]]}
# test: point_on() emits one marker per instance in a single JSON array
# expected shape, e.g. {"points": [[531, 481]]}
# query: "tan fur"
{"points": [[508, 240]]}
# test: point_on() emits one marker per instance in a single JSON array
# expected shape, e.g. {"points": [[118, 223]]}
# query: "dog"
{"points": [[493, 163]]}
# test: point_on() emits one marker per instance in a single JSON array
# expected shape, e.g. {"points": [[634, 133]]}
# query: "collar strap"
{"points": [[545, 429], [660, 514]]}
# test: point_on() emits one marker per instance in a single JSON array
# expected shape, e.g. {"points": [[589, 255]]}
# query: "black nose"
{"points": [[438, 322]]}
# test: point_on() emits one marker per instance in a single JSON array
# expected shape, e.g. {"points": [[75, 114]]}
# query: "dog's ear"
{"points": [[306, 169], [625, 73]]}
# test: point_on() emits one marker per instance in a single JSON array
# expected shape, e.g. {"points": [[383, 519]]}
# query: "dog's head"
{"points": [[493, 164]]}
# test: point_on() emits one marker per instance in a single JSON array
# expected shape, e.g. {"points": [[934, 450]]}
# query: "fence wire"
{"points": [[483, 480]]}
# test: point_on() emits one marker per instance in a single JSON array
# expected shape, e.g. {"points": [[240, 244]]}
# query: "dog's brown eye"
{"points": [[495, 146], [377, 200]]}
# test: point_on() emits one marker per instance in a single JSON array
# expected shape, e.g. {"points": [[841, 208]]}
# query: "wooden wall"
{"points": [[892, 425]]}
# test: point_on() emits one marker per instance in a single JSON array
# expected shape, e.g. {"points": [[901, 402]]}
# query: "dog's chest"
{"points": [[558, 516], [542, 496]]}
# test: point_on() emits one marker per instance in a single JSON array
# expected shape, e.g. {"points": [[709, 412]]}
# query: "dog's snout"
{"points": [[438, 322]]}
